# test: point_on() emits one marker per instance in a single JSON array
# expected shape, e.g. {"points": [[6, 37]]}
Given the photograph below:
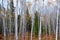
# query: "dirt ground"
{"points": [[27, 37]]}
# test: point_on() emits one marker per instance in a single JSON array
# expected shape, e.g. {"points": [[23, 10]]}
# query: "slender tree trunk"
{"points": [[16, 27], [49, 25], [57, 25], [40, 30], [4, 28], [32, 19]]}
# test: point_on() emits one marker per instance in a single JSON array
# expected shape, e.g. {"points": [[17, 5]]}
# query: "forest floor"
{"points": [[27, 37]]}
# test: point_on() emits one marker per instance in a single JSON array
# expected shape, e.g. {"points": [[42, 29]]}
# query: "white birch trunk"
{"points": [[16, 21], [4, 28], [16, 27], [32, 18], [57, 20], [40, 30], [57, 25]]}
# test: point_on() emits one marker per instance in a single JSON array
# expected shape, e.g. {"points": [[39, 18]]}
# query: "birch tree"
{"points": [[57, 21]]}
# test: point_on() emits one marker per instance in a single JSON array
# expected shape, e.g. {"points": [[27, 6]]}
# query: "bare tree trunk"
{"points": [[4, 28], [16, 27], [40, 30], [57, 24], [57, 20], [32, 19], [49, 25]]}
